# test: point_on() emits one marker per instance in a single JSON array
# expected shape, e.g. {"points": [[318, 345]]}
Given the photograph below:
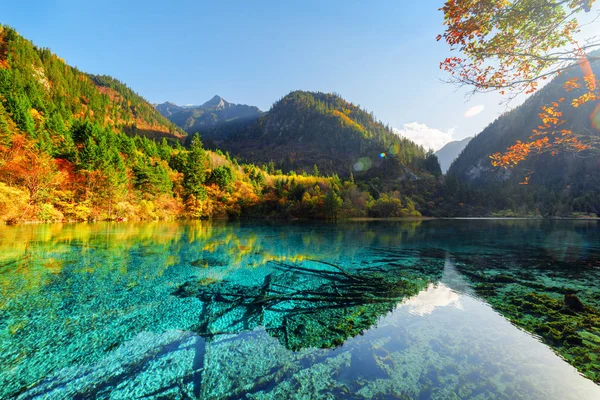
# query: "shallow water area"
{"points": [[369, 310]]}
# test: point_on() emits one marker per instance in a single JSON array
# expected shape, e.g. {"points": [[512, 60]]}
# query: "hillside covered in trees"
{"points": [[305, 129], [76, 147], [547, 184], [35, 79]]}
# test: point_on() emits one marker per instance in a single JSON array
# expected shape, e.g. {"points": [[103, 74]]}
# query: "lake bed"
{"points": [[369, 310]]}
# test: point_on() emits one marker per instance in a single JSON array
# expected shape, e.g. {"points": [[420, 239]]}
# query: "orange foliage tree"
{"points": [[25, 166], [512, 46]]}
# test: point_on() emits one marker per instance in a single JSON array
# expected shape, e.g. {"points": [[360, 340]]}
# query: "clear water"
{"points": [[426, 309]]}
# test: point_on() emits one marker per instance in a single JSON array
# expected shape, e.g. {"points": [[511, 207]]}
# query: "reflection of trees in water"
{"points": [[313, 304], [33, 256]]}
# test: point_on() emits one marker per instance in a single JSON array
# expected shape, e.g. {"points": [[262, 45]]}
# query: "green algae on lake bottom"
{"points": [[426, 309], [573, 332]]}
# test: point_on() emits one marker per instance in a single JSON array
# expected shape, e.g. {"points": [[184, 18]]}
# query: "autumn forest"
{"points": [[81, 147]]}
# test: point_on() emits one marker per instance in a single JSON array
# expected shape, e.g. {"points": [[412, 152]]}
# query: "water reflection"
{"points": [[281, 311], [434, 296]]}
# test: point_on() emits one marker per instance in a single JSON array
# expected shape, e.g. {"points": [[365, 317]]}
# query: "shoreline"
{"points": [[340, 220], [367, 219]]}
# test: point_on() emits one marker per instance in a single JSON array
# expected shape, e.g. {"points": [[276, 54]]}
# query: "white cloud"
{"points": [[473, 111], [430, 138]]}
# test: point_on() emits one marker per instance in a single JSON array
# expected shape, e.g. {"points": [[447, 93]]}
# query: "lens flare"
{"points": [[382, 155], [585, 66], [595, 118], [394, 149], [363, 164]]}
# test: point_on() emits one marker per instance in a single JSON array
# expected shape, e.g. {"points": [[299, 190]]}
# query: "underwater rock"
{"points": [[573, 303]]}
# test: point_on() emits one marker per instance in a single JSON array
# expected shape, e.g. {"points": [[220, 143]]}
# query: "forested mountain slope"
{"points": [[44, 95], [557, 185], [305, 129]]}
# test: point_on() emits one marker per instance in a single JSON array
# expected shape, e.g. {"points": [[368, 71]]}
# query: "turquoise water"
{"points": [[451, 309]]}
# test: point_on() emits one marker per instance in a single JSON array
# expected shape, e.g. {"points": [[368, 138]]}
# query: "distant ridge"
{"points": [[447, 154], [203, 118]]}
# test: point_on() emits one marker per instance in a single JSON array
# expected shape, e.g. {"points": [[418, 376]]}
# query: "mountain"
{"points": [[557, 185], [167, 109], [218, 103], [33, 78], [205, 117], [305, 129], [447, 154]]}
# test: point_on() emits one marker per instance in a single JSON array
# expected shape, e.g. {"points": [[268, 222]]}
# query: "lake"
{"points": [[443, 309]]}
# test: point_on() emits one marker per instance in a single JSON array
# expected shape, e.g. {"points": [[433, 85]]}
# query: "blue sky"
{"points": [[379, 54]]}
